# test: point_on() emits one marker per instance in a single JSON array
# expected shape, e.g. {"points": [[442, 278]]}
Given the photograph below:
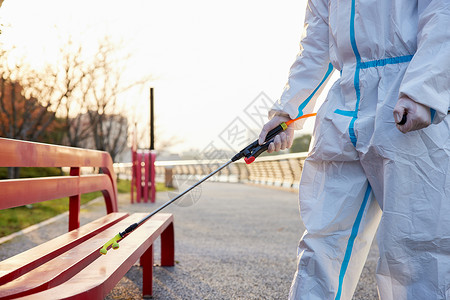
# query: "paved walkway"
{"points": [[235, 241]]}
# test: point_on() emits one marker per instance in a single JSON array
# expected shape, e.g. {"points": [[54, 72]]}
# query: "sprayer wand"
{"points": [[250, 153]]}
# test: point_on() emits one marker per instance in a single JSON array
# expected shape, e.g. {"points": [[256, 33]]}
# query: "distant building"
{"points": [[102, 132]]}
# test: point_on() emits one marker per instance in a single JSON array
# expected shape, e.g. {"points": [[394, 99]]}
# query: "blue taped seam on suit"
{"points": [[303, 105], [355, 228], [352, 32], [347, 113], [386, 61], [351, 129], [351, 241]]}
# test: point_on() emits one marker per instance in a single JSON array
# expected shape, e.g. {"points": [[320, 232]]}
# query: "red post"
{"points": [[133, 173], [147, 168], [133, 162], [138, 177], [74, 204], [152, 176]]}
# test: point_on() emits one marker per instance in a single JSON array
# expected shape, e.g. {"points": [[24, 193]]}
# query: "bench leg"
{"points": [[168, 247], [147, 272], [74, 204]]}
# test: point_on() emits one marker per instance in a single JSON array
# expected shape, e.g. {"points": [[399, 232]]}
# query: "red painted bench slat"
{"points": [[48, 188], [97, 279], [22, 263], [16, 153]]}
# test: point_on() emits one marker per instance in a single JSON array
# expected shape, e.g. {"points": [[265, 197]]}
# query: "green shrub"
{"points": [[33, 172]]}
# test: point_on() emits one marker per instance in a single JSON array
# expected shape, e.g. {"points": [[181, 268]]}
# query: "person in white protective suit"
{"points": [[365, 172]]}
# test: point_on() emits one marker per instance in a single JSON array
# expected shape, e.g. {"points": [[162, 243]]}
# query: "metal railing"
{"points": [[277, 170]]}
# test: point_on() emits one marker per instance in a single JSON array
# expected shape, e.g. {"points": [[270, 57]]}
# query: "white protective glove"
{"points": [[418, 116], [283, 140]]}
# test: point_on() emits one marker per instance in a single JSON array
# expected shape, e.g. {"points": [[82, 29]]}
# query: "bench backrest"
{"points": [[18, 192]]}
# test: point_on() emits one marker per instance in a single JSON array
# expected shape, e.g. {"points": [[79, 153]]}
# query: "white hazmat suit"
{"points": [[360, 162]]}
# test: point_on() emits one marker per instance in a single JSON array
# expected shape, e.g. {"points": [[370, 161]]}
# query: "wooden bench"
{"points": [[71, 266]]}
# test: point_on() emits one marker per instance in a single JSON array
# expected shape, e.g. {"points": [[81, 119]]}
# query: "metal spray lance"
{"points": [[250, 153]]}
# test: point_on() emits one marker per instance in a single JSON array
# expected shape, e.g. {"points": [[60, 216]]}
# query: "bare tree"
{"points": [[21, 115], [110, 133], [62, 87], [80, 87], [30, 99], [106, 115]]}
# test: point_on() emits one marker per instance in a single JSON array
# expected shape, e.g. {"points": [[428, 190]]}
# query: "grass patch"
{"points": [[17, 218], [124, 186], [160, 187], [33, 172]]}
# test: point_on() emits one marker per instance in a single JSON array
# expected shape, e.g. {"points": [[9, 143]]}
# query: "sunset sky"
{"points": [[213, 62]]}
